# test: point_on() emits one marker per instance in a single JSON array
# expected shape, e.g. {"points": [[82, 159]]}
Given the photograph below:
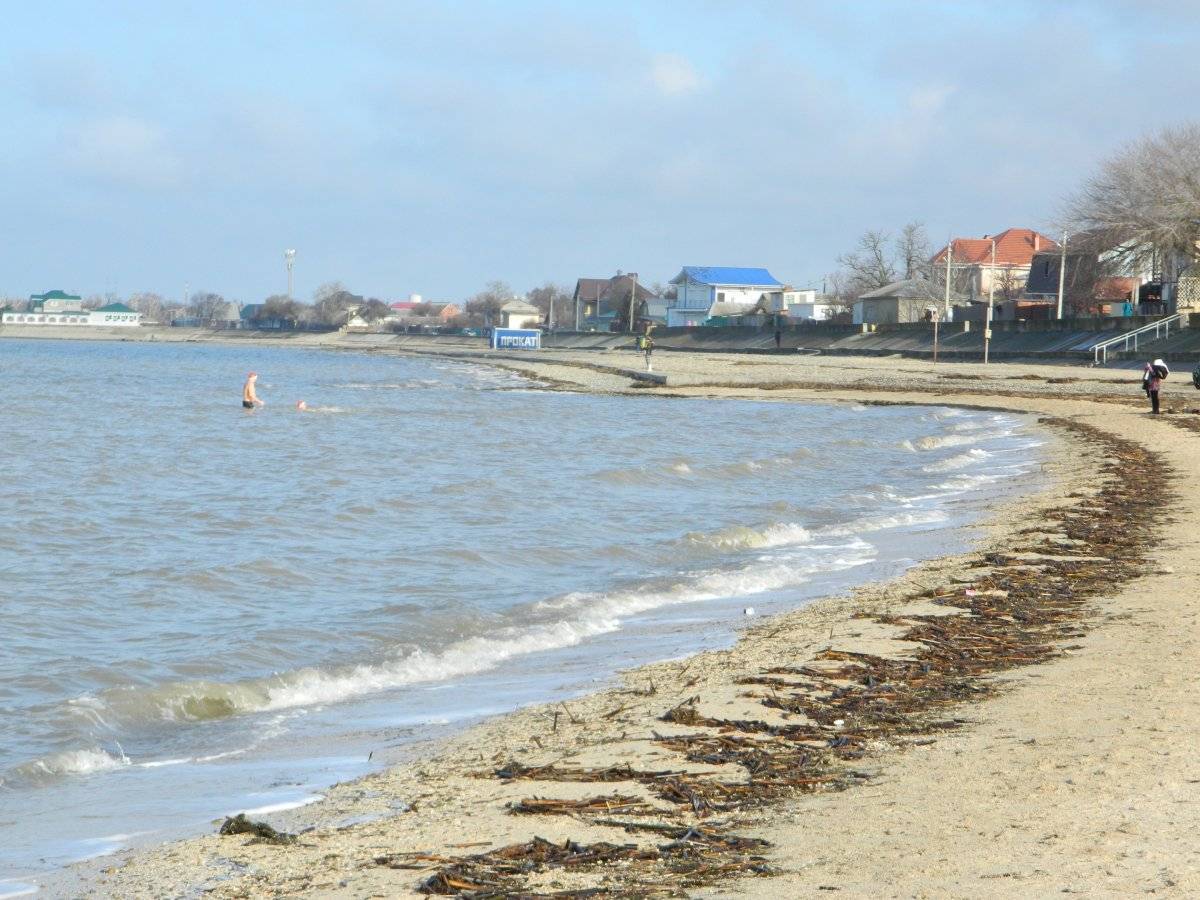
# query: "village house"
{"points": [[517, 313], [905, 301], [705, 292], [805, 305], [976, 272], [1085, 289], [603, 303]]}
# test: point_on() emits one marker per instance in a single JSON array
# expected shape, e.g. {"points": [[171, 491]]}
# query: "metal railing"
{"points": [[1161, 329]]}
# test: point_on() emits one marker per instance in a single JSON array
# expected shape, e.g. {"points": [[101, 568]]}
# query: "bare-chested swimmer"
{"points": [[249, 397]]}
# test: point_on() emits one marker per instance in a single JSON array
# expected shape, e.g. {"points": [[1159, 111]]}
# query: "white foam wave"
{"points": [[11, 889], [282, 806], [76, 762], [741, 537], [959, 461], [159, 763], [577, 617], [882, 523]]}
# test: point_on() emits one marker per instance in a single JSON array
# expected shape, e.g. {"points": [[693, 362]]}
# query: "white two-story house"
{"points": [[702, 292]]}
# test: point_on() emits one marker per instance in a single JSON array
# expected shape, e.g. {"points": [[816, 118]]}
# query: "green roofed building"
{"points": [[61, 308], [55, 302]]}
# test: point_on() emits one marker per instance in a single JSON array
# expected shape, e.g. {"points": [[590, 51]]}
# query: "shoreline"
{"points": [[447, 782]]}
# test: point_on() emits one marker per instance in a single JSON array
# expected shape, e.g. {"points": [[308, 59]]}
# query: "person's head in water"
{"points": [[301, 406]]}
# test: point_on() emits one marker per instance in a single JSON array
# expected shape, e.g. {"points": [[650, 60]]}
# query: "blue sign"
{"points": [[516, 339]]}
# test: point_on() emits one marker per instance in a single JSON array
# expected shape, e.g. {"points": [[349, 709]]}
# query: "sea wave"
{"points": [[870, 524], [565, 622], [85, 761], [958, 461], [742, 537]]}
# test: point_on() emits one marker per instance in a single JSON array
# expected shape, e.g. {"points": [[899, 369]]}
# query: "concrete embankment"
{"points": [[1068, 342]]}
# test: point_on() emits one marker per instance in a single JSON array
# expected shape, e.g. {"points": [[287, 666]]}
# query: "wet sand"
{"points": [[1073, 771]]}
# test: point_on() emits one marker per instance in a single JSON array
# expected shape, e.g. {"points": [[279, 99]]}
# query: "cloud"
{"points": [[122, 150], [673, 75]]}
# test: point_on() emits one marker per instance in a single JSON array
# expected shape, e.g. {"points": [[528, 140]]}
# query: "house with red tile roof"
{"points": [[976, 271]]}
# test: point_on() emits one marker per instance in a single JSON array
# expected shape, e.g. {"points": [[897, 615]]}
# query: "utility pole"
{"points": [[949, 261], [987, 320], [1062, 274], [935, 334], [632, 298], [289, 257]]}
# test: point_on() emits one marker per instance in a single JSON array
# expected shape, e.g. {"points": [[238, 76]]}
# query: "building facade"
{"points": [[703, 292], [60, 308]]}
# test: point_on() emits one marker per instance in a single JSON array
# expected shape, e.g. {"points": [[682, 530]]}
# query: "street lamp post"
{"points": [[632, 298], [987, 319], [1062, 274], [289, 258]]}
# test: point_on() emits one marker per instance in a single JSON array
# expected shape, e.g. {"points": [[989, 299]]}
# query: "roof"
{"points": [[519, 306], [116, 308], [726, 275], [405, 304], [54, 295], [1014, 247], [910, 289], [590, 288]]}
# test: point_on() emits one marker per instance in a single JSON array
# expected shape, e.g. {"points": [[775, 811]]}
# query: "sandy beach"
{"points": [[1013, 721]]}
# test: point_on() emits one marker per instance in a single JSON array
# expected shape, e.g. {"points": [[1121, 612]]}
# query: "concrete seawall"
{"points": [[1069, 341]]}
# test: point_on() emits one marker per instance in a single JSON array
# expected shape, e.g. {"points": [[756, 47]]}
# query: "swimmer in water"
{"points": [[249, 396], [301, 406]]}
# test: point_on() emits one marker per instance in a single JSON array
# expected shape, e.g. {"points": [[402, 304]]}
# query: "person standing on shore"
{"points": [[1152, 378], [249, 395]]}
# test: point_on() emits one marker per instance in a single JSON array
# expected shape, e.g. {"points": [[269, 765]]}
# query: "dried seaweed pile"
{"points": [[695, 857], [1031, 601]]}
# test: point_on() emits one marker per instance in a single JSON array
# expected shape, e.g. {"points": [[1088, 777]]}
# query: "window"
{"points": [[720, 296]]}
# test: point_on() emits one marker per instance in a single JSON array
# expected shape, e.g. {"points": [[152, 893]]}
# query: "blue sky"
{"points": [[430, 147]]}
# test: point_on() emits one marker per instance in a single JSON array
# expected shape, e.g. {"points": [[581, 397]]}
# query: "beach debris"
{"points": [[614, 804], [262, 832], [695, 858], [1020, 606]]}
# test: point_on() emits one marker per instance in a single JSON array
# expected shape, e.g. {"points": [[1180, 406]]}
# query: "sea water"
{"points": [[206, 610]]}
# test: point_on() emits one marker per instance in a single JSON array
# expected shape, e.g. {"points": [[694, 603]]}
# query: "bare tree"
{"points": [[870, 266], [912, 250], [331, 303], [1143, 205], [279, 307], [1010, 284], [373, 310], [205, 305], [484, 308], [150, 305], [553, 296]]}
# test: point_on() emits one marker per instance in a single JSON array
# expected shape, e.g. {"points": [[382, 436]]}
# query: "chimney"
{"points": [[1037, 242]]}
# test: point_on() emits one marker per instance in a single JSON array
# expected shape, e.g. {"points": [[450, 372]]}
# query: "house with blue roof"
{"points": [[705, 292]]}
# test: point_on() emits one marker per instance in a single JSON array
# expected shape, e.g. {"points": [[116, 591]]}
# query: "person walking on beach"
{"points": [[1153, 376], [249, 396]]}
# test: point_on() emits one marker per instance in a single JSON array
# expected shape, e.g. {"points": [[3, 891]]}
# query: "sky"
{"points": [[405, 147]]}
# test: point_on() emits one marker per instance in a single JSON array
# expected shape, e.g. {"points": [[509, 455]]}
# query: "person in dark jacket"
{"points": [[1153, 376]]}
